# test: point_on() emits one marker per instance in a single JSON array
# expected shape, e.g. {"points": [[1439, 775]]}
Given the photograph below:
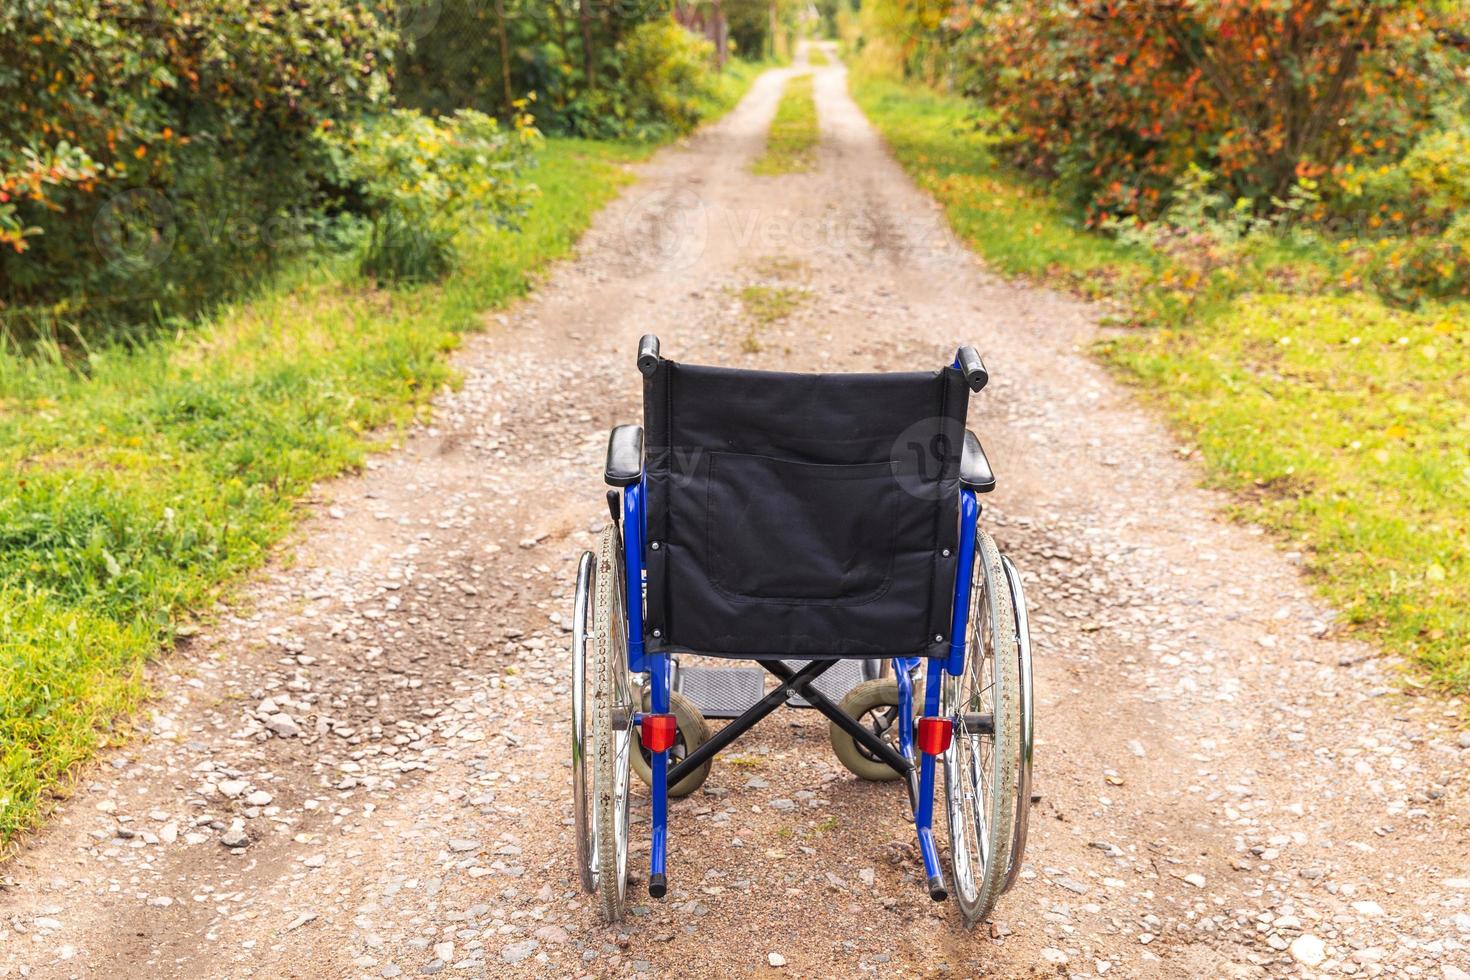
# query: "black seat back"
{"points": [[801, 514]]}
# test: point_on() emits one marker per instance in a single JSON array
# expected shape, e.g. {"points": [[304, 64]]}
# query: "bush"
{"points": [[1421, 193], [666, 78], [416, 177], [626, 70], [1116, 100], [170, 149], [1407, 223]]}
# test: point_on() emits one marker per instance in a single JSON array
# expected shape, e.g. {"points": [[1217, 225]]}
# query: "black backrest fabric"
{"points": [[801, 514]]}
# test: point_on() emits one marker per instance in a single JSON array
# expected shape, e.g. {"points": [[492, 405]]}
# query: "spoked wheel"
{"points": [[693, 731], [983, 768], [581, 765], [874, 704], [1028, 722], [602, 724]]}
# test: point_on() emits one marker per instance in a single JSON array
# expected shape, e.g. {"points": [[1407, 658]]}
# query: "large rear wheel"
{"points": [[611, 723], [1028, 723], [581, 764], [982, 768]]}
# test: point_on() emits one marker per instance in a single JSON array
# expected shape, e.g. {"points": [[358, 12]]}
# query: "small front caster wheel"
{"points": [[693, 732], [874, 704]]}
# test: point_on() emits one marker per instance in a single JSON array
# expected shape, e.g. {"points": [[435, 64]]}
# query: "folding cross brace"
{"points": [[798, 682]]}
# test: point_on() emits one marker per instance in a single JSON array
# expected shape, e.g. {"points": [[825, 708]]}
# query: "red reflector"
{"points": [[659, 732], [934, 735]]}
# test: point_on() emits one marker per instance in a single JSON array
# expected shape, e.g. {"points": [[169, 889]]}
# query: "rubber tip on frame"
{"points": [[658, 885], [937, 891]]}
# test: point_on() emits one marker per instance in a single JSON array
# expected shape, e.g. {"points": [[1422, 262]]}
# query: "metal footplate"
{"points": [[726, 692], [721, 692], [835, 683]]}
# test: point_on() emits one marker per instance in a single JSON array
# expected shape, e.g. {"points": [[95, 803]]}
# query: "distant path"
{"points": [[1217, 780]]}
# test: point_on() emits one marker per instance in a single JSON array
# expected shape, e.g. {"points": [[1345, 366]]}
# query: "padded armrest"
{"points": [[624, 456], [975, 470]]}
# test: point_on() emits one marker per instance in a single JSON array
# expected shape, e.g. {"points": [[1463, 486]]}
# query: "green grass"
{"points": [[816, 57], [792, 144], [765, 305], [1339, 423], [142, 482]]}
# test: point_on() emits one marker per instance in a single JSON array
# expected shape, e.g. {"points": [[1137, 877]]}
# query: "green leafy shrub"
{"points": [[152, 155], [1422, 192], [417, 178], [666, 78], [1409, 221], [764, 29], [603, 71], [1438, 169], [1408, 269]]}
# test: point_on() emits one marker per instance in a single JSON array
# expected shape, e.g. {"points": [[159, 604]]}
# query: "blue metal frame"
{"points": [[635, 527], [959, 627], [935, 668], [656, 665], [659, 668]]}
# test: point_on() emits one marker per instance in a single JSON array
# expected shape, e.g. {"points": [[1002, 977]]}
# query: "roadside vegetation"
{"points": [[215, 292], [144, 483], [791, 145], [1304, 325]]}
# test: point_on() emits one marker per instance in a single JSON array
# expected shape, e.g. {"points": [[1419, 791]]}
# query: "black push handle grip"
{"points": [[648, 354], [972, 367]]}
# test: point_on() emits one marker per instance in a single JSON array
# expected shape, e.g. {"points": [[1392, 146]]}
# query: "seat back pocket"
{"points": [[809, 533]]}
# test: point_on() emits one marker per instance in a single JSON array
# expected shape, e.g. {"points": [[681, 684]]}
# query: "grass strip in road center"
{"points": [[791, 146], [1339, 423]]}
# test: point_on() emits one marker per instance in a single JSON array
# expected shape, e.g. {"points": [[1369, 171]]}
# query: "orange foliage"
{"points": [[1118, 98]]}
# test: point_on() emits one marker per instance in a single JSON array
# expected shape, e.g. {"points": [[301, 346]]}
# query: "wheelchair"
{"points": [[824, 530]]}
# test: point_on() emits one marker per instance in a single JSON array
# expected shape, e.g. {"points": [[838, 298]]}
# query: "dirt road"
{"points": [[381, 727]]}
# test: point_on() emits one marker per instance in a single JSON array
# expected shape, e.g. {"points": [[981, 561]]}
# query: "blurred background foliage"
{"points": [[129, 127], [1347, 119], [157, 156], [598, 69]]}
